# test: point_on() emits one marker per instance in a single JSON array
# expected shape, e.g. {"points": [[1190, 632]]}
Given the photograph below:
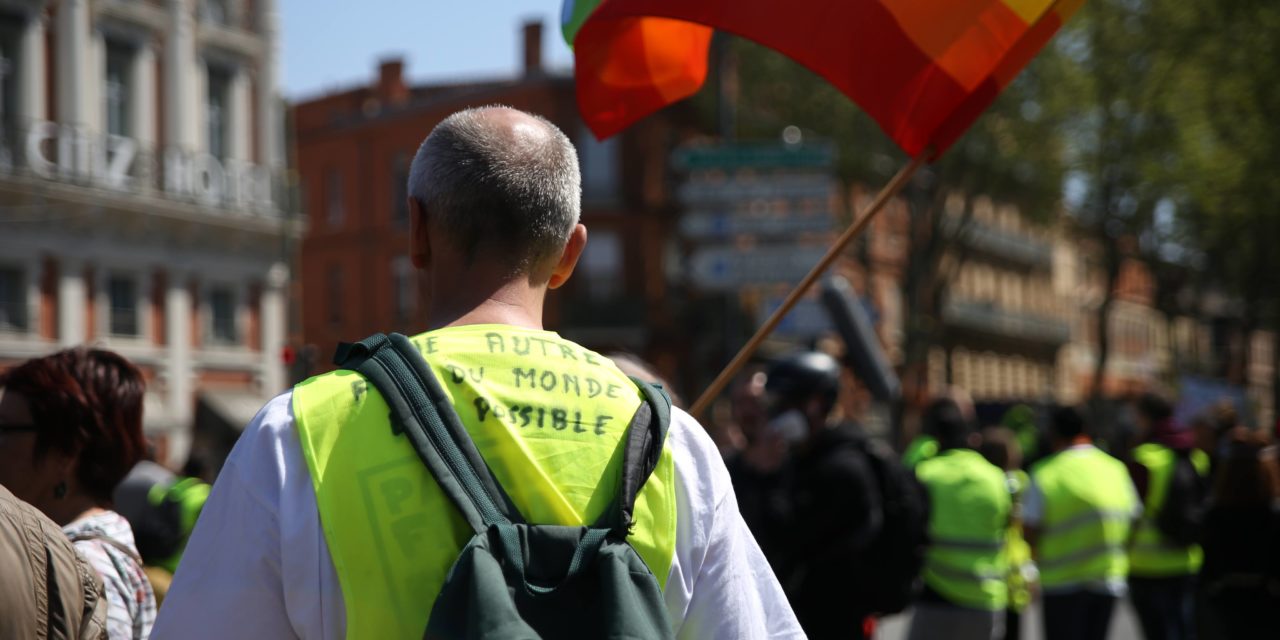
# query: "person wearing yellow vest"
{"points": [[925, 445], [324, 524], [1077, 515], [965, 593], [1162, 571], [1001, 447]]}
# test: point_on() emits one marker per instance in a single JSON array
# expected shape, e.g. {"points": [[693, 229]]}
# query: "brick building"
{"points": [[140, 146], [354, 148]]}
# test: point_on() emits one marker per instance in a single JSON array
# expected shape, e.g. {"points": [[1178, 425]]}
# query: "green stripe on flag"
{"points": [[572, 14]]}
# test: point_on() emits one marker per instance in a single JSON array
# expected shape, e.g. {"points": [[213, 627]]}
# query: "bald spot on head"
{"points": [[515, 129]]}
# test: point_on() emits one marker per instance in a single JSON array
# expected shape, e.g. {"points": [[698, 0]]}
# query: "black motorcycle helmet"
{"points": [[800, 376]]}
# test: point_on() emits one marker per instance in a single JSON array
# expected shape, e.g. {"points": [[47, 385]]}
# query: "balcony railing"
{"points": [[998, 242], [986, 317]]}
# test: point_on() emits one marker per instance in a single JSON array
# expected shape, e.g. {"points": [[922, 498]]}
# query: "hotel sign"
{"points": [[68, 153]]}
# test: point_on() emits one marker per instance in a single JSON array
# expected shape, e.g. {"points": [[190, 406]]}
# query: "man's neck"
{"points": [[514, 303]]}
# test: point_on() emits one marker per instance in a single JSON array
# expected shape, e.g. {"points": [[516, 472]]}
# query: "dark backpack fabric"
{"points": [[851, 565], [516, 579], [891, 579], [158, 530], [1181, 517]]}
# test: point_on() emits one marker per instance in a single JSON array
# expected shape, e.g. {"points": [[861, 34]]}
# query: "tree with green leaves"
{"points": [[1222, 102]]}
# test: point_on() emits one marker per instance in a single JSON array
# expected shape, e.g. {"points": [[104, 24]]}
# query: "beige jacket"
{"points": [[47, 591]]}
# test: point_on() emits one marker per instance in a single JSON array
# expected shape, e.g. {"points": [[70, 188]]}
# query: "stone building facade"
{"points": [[142, 201]]}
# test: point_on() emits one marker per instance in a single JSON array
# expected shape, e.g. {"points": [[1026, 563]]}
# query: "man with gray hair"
{"points": [[323, 524]]}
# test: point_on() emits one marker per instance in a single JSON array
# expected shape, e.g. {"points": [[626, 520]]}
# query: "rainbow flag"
{"points": [[923, 69]]}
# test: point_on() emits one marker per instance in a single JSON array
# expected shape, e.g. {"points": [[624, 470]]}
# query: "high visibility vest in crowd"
{"points": [[1021, 567], [188, 495], [968, 520], [918, 450], [1087, 517], [1152, 555], [546, 415]]}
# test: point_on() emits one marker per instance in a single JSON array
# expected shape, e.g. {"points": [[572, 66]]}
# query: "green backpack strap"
{"points": [[427, 419], [643, 448]]}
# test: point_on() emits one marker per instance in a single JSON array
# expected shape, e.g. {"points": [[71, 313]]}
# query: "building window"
{"points": [[336, 299], [602, 265], [400, 190], [116, 89], [10, 62], [217, 111], [402, 278], [215, 11], [13, 299], [122, 301], [333, 209], [222, 316], [599, 163]]}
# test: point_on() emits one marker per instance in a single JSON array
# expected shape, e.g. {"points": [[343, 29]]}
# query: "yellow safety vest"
{"points": [[1151, 554], [920, 449], [1087, 517], [970, 507], [1021, 567], [546, 415]]}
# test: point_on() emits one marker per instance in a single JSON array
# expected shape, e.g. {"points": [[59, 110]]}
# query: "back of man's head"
{"points": [[944, 420], [1154, 407], [501, 185], [1066, 424]]}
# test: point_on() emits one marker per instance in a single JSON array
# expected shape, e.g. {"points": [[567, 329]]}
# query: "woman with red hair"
{"points": [[70, 429]]}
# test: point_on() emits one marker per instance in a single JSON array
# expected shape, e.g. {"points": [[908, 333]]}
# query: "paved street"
{"points": [[1124, 625]]}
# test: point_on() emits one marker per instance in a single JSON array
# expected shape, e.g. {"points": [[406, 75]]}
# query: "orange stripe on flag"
{"points": [[630, 67], [666, 45], [966, 38], [1029, 10]]}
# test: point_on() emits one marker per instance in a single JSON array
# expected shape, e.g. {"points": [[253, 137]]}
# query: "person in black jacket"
{"points": [[836, 503], [1239, 589]]}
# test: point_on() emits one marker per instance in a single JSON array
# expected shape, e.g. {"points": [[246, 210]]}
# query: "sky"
{"points": [[328, 44]]}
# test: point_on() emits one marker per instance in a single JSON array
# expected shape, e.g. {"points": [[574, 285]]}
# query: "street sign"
{"points": [[754, 156], [806, 320], [809, 186], [721, 225], [730, 268]]}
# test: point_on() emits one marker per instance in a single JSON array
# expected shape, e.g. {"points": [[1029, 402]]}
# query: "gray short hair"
{"points": [[513, 198]]}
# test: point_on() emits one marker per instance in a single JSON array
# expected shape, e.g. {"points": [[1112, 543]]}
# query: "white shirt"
{"points": [[258, 566]]}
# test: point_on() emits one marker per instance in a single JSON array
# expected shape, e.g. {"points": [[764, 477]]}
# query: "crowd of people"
{"points": [[73, 457], [391, 495], [1182, 519]]}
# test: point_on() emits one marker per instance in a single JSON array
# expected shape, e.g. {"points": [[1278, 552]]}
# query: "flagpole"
{"points": [[891, 189]]}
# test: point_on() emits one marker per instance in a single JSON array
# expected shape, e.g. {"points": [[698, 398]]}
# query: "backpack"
{"points": [[891, 578], [827, 581], [1181, 517], [515, 579]]}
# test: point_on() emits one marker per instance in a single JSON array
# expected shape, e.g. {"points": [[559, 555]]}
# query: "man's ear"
{"points": [[569, 259], [419, 237]]}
